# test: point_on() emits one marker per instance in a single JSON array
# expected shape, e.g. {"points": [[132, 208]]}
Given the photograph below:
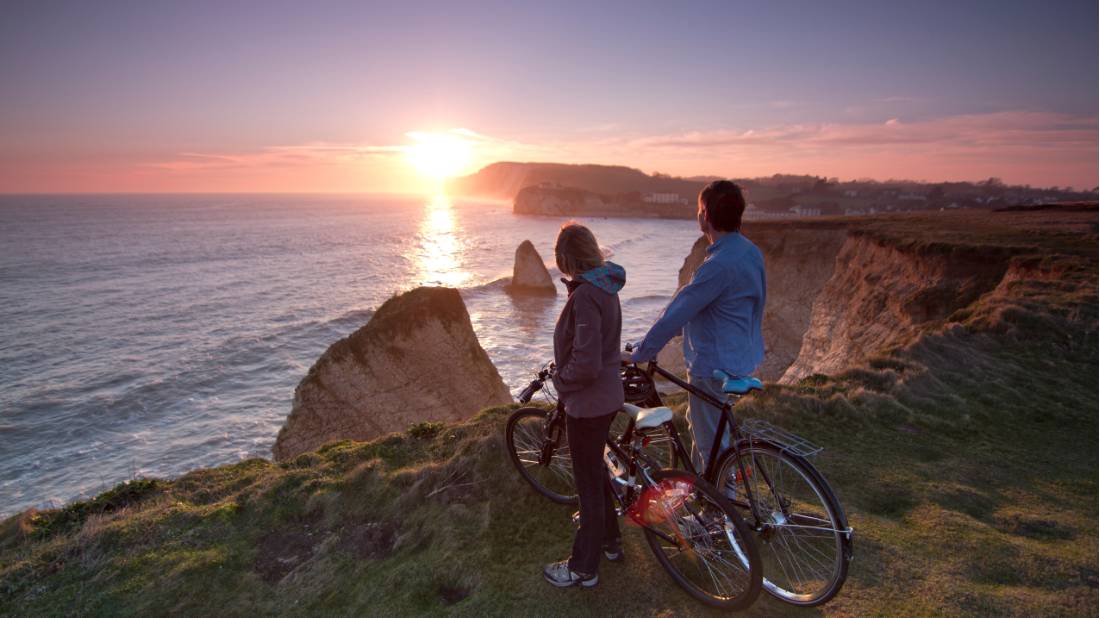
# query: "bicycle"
{"points": [[802, 528], [696, 534], [803, 532]]}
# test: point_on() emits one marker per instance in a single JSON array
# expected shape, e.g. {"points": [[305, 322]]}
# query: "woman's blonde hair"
{"points": [[576, 250]]}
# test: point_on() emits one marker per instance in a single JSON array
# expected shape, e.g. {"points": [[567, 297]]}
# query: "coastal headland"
{"points": [[947, 362]]}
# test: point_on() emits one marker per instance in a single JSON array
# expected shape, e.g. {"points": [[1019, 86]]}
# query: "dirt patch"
{"points": [[371, 541], [282, 551], [967, 501], [1033, 528], [888, 500], [453, 593]]}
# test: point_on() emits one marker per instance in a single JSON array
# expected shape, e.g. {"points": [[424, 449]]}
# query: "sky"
{"points": [[151, 96]]}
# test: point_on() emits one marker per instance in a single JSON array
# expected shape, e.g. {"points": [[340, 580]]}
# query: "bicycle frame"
{"points": [[727, 420], [556, 422]]}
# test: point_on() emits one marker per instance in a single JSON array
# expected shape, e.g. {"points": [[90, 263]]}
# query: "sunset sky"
{"points": [[330, 96]]}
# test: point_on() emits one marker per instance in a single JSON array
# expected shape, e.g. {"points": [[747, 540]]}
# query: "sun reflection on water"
{"points": [[439, 248]]}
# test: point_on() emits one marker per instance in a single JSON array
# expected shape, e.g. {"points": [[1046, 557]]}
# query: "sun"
{"points": [[438, 155]]}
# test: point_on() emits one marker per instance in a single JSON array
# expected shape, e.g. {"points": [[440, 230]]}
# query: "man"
{"points": [[720, 311]]}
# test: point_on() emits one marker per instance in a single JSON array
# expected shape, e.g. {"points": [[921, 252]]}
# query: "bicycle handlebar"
{"points": [[529, 392], [536, 385]]}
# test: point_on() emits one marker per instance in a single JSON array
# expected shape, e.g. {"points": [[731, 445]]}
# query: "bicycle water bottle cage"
{"points": [[737, 385]]}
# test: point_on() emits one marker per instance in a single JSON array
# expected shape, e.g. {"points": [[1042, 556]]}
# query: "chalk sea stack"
{"points": [[529, 275], [417, 359]]}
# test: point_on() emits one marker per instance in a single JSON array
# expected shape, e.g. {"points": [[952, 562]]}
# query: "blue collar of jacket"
{"points": [[726, 240], [610, 278]]}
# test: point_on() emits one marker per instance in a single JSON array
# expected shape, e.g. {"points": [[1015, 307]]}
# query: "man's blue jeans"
{"points": [[702, 420]]}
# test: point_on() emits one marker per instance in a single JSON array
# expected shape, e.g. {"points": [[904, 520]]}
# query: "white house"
{"points": [[664, 198]]}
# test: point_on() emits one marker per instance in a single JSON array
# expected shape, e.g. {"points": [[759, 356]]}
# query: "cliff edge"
{"points": [[416, 360], [843, 290]]}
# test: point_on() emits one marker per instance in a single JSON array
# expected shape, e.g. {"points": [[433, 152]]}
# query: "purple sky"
{"points": [[319, 96]]}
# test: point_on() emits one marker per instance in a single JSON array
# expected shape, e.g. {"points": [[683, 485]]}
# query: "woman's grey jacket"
{"points": [[588, 343]]}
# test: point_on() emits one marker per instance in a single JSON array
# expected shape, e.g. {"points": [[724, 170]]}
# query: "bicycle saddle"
{"points": [[648, 418], [737, 385]]}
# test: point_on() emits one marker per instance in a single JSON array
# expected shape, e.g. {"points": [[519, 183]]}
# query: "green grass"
{"points": [[972, 489]]}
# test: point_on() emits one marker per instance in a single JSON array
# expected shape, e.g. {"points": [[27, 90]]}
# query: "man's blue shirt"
{"points": [[720, 311]]}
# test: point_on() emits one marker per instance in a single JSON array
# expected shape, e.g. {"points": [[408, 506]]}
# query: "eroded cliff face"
{"points": [[557, 201], [883, 295], [797, 262], [416, 360], [838, 293]]}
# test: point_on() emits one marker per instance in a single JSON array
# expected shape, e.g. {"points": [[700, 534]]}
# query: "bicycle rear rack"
{"points": [[785, 440]]}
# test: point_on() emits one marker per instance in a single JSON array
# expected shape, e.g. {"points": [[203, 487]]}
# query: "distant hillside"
{"points": [[779, 195], [505, 179], [558, 201]]}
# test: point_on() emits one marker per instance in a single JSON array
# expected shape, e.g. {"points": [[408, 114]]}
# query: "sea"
{"points": [[149, 335]]}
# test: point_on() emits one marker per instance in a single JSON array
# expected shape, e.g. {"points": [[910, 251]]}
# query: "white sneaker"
{"points": [[559, 574]]}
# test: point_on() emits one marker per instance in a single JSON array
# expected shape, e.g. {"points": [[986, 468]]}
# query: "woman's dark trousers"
{"points": [[599, 523]]}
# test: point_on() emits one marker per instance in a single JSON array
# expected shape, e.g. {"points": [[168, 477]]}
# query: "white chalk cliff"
{"points": [[417, 359], [529, 274]]}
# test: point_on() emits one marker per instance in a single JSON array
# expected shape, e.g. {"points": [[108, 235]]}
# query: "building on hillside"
{"points": [[664, 198]]}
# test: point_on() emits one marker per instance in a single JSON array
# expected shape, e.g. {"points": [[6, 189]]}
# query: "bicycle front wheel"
{"points": [[701, 540], [801, 530], [541, 453]]}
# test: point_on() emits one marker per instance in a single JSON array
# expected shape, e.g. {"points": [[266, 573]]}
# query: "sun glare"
{"points": [[438, 155]]}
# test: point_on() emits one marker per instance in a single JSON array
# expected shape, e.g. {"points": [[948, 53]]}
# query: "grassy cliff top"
{"points": [[1049, 230], [968, 467], [967, 463]]}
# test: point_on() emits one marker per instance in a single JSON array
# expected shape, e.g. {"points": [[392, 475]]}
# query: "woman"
{"points": [[586, 352]]}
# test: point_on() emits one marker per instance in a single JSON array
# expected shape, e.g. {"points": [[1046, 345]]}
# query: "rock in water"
{"points": [[417, 359], [529, 275]]}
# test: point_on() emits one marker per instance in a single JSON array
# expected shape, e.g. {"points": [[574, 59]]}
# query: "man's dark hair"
{"points": [[723, 205]]}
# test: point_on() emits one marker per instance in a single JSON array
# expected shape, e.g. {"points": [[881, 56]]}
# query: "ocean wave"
{"points": [[650, 298], [626, 242], [496, 285]]}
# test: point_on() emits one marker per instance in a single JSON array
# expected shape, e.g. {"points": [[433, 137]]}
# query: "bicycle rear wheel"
{"points": [[700, 539], [803, 538], [541, 454]]}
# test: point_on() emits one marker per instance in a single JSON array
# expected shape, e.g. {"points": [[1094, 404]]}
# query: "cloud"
{"points": [[1040, 148], [487, 148], [1003, 129], [1036, 147]]}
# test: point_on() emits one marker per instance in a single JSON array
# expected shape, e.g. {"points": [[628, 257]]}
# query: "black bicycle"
{"points": [[806, 542], [696, 534]]}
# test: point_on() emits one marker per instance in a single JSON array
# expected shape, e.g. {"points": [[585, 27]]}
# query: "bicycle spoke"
{"points": [[801, 543], [554, 478]]}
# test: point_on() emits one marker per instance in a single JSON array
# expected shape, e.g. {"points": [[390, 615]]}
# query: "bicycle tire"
{"points": [[804, 545], [525, 435], [700, 543]]}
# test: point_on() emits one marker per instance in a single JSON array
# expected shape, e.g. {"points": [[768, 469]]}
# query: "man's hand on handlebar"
{"points": [[627, 354]]}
